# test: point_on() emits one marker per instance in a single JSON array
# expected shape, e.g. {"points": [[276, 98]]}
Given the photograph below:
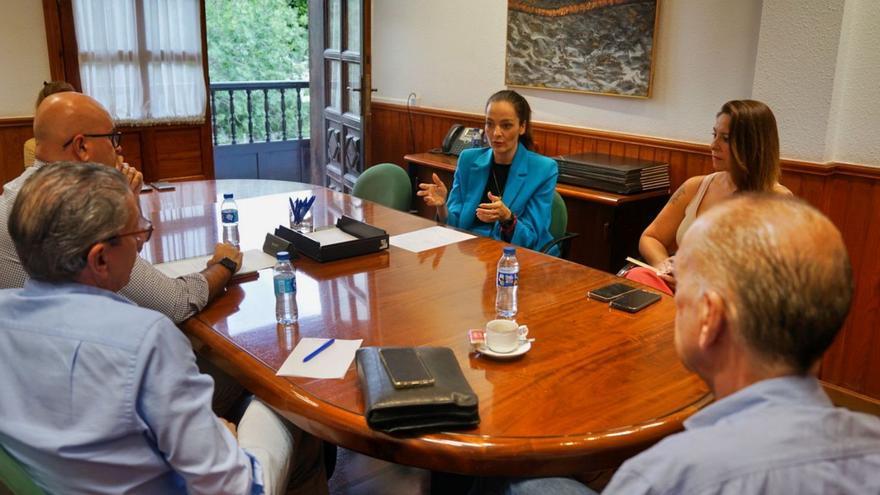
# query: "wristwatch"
{"points": [[228, 264]]}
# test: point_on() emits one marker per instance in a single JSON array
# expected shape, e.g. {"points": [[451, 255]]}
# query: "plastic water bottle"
{"points": [[477, 139], [506, 283], [284, 277], [229, 217]]}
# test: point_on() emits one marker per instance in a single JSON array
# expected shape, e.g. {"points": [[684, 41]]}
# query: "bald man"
{"points": [[71, 126], [764, 285], [75, 127]]}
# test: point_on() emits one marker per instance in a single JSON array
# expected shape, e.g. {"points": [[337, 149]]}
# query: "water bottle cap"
{"points": [[510, 250], [227, 195], [282, 256]]}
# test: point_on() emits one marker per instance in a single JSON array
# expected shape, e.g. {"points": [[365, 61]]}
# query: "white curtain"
{"points": [[142, 59]]}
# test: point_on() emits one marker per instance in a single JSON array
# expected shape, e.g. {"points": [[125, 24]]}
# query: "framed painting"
{"points": [[592, 46]]}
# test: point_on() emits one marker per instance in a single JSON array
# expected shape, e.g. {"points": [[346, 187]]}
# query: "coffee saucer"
{"points": [[519, 351]]}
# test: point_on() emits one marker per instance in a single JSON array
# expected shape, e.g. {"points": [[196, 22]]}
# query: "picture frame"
{"points": [[604, 47]]}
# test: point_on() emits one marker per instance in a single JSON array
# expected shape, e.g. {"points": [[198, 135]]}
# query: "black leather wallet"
{"points": [[449, 403]]}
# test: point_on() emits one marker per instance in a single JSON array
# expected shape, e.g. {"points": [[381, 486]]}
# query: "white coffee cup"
{"points": [[505, 335]]}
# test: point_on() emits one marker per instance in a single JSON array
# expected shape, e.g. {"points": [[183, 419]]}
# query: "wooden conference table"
{"points": [[597, 386]]}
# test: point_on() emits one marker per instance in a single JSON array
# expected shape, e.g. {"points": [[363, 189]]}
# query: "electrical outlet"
{"points": [[413, 99]]}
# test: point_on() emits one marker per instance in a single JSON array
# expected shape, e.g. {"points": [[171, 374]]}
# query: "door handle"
{"points": [[372, 90]]}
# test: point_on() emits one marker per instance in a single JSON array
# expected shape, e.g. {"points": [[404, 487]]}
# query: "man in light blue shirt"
{"points": [[764, 285], [100, 395]]}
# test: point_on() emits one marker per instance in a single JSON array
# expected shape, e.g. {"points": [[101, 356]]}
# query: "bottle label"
{"points": [[285, 285], [507, 279], [229, 216]]}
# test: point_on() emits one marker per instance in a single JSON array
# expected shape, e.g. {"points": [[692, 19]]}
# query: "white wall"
{"points": [[452, 53], [795, 71], [23, 57], [817, 70], [855, 114]]}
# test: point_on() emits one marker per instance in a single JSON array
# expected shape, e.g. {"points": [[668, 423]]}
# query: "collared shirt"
{"points": [[176, 298], [776, 436], [101, 396]]}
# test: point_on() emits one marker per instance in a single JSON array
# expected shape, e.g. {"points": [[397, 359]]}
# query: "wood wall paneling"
{"points": [[848, 193], [13, 134], [178, 153]]}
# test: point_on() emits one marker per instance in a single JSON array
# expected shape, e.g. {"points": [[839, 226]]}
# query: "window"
{"points": [[142, 59]]}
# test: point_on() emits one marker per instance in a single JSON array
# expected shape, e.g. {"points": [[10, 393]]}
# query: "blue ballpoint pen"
{"points": [[318, 350]]}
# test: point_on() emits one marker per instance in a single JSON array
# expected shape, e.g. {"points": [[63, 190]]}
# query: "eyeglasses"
{"points": [[143, 234], [115, 138]]}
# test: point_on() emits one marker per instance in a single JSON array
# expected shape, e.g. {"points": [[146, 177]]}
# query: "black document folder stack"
{"points": [[616, 174]]}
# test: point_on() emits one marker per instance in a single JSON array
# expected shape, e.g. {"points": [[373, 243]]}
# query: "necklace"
{"points": [[497, 187]]}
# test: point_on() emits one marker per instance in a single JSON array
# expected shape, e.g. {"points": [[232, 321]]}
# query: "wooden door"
{"points": [[339, 88]]}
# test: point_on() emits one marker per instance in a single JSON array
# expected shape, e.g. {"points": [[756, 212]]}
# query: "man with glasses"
{"points": [[71, 126], [103, 396]]}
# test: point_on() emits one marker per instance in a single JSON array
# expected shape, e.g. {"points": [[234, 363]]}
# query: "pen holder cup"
{"points": [[305, 225]]}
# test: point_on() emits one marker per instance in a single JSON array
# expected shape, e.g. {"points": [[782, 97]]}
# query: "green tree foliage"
{"points": [[259, 40]]}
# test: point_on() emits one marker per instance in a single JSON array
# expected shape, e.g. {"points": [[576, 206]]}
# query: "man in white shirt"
{"points": [[71, 126]]}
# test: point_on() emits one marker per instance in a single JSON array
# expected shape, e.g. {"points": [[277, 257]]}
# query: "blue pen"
{"points": [[296, 206], [318, 350], [308, 205]]}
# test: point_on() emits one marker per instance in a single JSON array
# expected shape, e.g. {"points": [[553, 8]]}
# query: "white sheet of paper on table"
{"points": [[254, 260], [326, 237], [332, 362], [429, 238]]}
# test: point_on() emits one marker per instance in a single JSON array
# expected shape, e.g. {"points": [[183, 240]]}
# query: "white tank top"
{"points": [[690, 212]]}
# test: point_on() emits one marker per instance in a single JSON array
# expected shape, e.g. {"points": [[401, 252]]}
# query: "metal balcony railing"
{"points": [[259, 111]]}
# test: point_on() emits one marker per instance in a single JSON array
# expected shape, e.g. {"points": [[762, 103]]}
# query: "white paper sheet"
{"points": [[326, 237], [332, 362], [429, 238], [254, 260]]}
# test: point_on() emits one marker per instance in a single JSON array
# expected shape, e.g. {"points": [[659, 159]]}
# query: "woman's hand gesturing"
{"points": [[433, 194], [496, 211]]}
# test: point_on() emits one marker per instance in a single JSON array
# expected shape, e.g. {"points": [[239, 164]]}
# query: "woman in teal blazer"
{"points": [[504, 191]]}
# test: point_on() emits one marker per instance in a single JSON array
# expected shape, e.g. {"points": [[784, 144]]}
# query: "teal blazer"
{"points": [[528, 193]]}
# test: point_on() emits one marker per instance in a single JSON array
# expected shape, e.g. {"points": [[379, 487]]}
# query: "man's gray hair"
{"points": [[62, 210], [783, 271]]}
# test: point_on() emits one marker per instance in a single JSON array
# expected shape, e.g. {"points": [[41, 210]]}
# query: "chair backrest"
{"points": [[386, 184], [29, 148], [558, 216], [15, 477]]}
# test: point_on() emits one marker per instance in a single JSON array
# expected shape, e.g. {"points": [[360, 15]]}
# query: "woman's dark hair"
{"points": [[754, 145], [523, 112], [52, 87]]}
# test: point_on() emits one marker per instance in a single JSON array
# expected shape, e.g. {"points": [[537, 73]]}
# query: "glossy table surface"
{"points": [[597, 386]]}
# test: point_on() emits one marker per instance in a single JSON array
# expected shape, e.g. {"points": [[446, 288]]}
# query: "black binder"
{"points": [[449, 403]]}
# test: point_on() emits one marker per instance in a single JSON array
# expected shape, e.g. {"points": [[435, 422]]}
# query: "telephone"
{"points": [[460, 138]]}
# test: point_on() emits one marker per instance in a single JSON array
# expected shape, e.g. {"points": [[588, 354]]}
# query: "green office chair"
{"points": [[558, 224], [386, 184], [15, 477]]}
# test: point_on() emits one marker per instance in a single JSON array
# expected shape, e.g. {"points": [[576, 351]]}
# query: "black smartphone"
{"points": [[635, 301], [162, 186], [405, 368], [610, 292]]}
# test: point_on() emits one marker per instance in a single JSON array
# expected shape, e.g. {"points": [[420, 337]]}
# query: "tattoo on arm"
{"points": [[677, 195]]}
